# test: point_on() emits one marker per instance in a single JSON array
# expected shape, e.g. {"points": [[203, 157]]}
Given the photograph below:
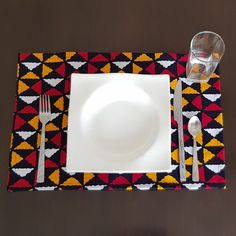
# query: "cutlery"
{"points": [[194, 128], [179, 119], [44, 117]]}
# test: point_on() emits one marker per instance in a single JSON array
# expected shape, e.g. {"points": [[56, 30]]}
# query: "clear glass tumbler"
{"points": [[206, 50]]}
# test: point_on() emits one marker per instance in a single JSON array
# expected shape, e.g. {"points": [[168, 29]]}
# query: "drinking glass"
{"points": [[206, 50]]}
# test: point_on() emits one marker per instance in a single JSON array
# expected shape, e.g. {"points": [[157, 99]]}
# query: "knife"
{"points": [[179, 119]]}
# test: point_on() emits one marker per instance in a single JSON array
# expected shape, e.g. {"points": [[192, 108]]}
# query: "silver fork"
{"points": [[44, 117]]}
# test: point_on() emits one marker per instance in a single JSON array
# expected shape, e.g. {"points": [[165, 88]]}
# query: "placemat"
{"points": [[49, 73]]}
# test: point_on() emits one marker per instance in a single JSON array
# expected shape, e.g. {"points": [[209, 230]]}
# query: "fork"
{"points": [[44, 117]]}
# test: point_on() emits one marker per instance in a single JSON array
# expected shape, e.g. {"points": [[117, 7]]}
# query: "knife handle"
{"points": [[182, 168]]}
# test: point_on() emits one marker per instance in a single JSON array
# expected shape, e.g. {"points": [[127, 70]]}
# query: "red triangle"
{"points": [[37, 87], [180, 69], [221, 154], [173, 55], [57, 139], [18, 122], [217, 85], [53, 92], [63, 158], [84, 55], [113, 55], [110, 188], [173, 121], [23, 56], [136, 177], [21, 183], [178, 187], [151, 69], [31, 158], [213, 107], [99, 58], [197, 102], [104, 178], [28, 110], [202, 174], [216, 179], [50, 164], [186, 137], [205, 120], [120, 180], [173, 144], [184, 58], [208, 187], [67, 86], [61, 70], [168, 73], [92, 69]]}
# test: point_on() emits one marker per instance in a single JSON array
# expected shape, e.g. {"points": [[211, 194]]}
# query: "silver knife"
{"points": [[179, 119]]}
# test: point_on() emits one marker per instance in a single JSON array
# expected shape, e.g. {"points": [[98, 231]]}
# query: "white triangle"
{"points": [[173, 167], [25, 134], [22, 172], [55, 115], [194, 186], [212, 97], [144, 186], [173, 130], [48, 188], [189, 114], [171, 96], [189, 150], [216, 168], [53, 82], [214, 131], [76, 64], [50, 152], [68, 96], [186, 81], [166, 64], [95, 187], [121, 64], [31, 65], [28, 99], [69, 173]]}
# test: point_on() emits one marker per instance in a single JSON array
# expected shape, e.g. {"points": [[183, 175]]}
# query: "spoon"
{"points": [[194, 128]]}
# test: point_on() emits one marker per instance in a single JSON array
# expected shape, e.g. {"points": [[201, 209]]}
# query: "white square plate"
{"points": [[119, 123]]}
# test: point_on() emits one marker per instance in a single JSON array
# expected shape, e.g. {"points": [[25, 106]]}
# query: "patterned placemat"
{"points": [[49, 73]]}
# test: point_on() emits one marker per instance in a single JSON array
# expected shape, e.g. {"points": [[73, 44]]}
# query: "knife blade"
{"points": [[178, 116]]}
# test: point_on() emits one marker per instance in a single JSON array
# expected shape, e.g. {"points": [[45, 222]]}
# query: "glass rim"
{"points": [[208, 32]]}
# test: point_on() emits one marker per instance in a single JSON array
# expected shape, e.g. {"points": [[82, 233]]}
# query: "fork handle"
{"points": [[41, 161]]}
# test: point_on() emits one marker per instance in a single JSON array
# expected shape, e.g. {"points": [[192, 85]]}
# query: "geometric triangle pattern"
{"points": [[49, 73]]}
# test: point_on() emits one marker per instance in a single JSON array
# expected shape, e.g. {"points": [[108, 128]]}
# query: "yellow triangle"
{"points": [[152, 176], [128, 55], [59, 104], [199, 139], [143, 57], [204, 87], [175, 155], [87, 177], [169, 179], [71, 182], [159, 187], [24, 145], [173, 83], [55, 176], [214, 75], [189, 161], [22, 87], [184, 102], [207, 155], [17, 70], [214, 143], [188, 174], [34, 122], [219, 119], [46, 70], [39, 56], [69, 55], [30, 75], [64, 121], [190, 90], [136, 69], [129, 188], [121, 71], [11, 141], [106, 68], [171, 107], [54, 58], [15, 158], [51, 127], [157, 55], [39, 140]]}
